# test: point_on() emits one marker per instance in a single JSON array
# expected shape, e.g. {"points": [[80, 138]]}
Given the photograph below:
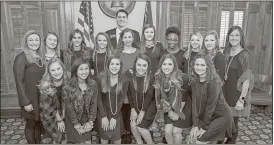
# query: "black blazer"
{"points": [[112, 35]]}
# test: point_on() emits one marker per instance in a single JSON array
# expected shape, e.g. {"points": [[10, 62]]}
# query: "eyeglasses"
{"points": [[173, 40]]}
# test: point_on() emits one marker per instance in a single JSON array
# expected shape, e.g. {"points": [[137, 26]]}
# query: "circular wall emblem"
{"points": [[111, 7]]}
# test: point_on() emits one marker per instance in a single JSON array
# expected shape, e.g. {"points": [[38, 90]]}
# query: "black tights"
{"points": [[33, 131], [126, 117], [233, 139]]}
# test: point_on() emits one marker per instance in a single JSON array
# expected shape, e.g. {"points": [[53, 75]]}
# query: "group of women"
{"points": [[120, 90]]}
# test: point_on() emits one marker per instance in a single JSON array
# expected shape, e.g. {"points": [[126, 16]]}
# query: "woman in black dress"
{"points": [[238, 76], [173, 37], [154, 50], [102, 50], [194, 47], [112, 92], [28, 69], [212, 117], [141, 98], [171, 94], [51, 102], [211, 48], [80, 99], [76, 49], [51, 47]]}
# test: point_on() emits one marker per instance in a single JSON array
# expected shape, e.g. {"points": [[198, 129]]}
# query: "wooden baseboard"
{"points": [[10, 112]]}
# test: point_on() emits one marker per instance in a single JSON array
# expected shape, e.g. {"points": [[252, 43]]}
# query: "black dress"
{"points": [[99, 61], [143, 101], [27, 76], [155, 57], [210, 110], [105, 110], [180, 58]]}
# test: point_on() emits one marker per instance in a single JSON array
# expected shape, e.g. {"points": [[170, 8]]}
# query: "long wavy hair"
{"points": [[25, 48], [106, 74], [143, 39], [71, 35], [47, 82], [121, 43], [211, 73], [147, 75], [175, 76], [73, 81], [216, 49], [227, 43]]}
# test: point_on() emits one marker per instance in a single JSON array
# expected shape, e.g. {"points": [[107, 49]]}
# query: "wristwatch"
{"points": [[242, 99]]}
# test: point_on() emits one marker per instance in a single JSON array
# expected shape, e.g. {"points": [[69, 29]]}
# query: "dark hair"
{"points": [[175, 30], [211, 73], [147, 76], [227, 43], [52, 33], [121, 43], [71, 35], [122, 11], [105, 78]]}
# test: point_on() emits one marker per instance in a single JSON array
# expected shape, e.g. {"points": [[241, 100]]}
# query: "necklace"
{"points": [[97, 61], [37, 62], [201, 96], [115, 100], [143, 96], [227, 67]]}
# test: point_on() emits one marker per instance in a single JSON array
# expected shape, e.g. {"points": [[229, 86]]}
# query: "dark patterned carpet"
{"points": [[258, 129]]}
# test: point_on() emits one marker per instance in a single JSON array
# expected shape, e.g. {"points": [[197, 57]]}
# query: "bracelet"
{"points": [[58, 121], [240, 100]]}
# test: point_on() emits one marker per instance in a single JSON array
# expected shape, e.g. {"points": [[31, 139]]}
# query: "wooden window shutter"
{"points": [[202, 20], [188, 17], [238, 18], [224, 27]]}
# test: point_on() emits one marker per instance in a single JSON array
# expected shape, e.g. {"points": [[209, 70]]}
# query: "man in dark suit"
{"points": [[122, 21]]}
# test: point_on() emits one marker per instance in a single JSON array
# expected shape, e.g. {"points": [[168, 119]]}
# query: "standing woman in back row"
{"points": [[238, 76], [150, 47], [76, 49], [28, 69], [102, 50], [211, 48], [128, 54], [194, 47]]}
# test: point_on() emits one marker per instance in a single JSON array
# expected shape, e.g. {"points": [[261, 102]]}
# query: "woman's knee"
{"points": [[177, 131], [168, 129]]}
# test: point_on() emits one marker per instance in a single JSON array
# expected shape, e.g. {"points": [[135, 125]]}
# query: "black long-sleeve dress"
{"points": [[109, 106], [99, 61], [143, 101], [210, 110], [219, 63], [155, 57], [27, 76], [179, 58]]}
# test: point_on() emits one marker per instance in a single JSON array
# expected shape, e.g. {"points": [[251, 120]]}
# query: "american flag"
{"points": [[85, 22], [148, 14]]}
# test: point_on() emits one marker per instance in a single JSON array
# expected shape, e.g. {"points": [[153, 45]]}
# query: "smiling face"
{"points": [[127, 39], [149, 34], [102, 41], [77, 39], [56, 70], [167, 66], [122, 19], [200, 66], [235, 38], [172, 40], [195, 43], [51, 41], [83, 71], [210, 42], [114, 66], [33, 42], [141, 66]]}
